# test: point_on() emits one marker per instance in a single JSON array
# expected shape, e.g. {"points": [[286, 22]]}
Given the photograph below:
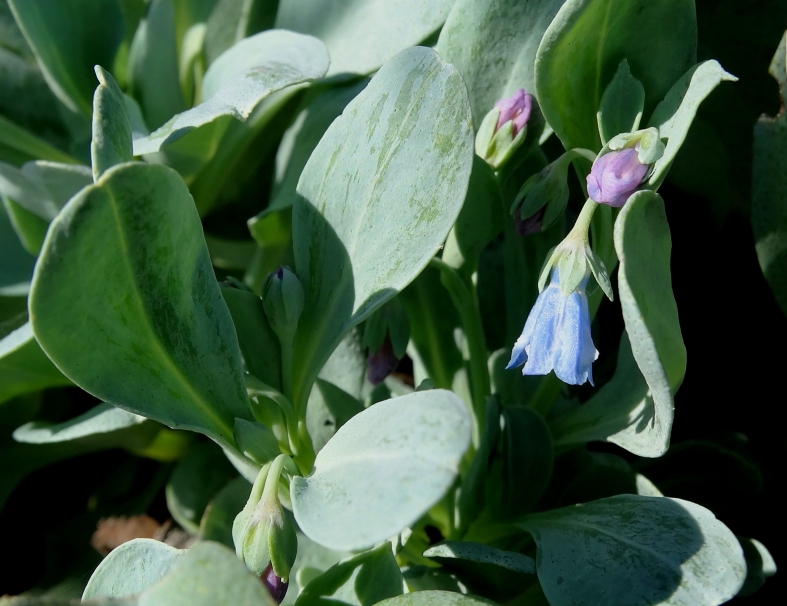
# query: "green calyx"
{"points": [[282, 298], [497, 146], [264, 532], [548, 188], [575, 260], [647, 142]]}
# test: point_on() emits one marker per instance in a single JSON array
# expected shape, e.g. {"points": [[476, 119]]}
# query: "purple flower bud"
{"points": [[381, 363], [615, 176], [275, 585], [517, 108], [531, 225]]}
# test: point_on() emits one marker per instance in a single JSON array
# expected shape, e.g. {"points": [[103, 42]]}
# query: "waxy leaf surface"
{"points": [[361, 35], [242, 77], [379, 196], [585, 44], [643, 245], [636, 550], [382, 470], [493, 44], [126, 304]]}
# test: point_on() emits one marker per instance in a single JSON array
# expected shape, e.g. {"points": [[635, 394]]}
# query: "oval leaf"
{"points": [[494, 44], [435, 598], [361, 35], [147, 328], [382, 470], [242, 77], [24, 367], [68, 38], [130, 568], [363, 196], [482, 554], [111, 142], [643, 245], [587, 41], [636, 550]]}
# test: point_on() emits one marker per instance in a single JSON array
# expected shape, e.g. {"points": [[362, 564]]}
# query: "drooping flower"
{"points": [[503, 129], [615, 176], [515, 109], [557, 335]]}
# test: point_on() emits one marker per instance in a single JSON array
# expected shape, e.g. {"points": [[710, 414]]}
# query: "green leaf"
{"points": [[313, 559], [242, 77], [433, 320], [111, 143], [208, 574], [18, 145], [480, 220], [16, 263], [24, 368], [527, 459], [68, 38], [345, 370], [61, 181], [258, 343], [256, 441], [131, 568], [362, 35], [102, 419], [216, 524], [436, 598], [635, 550], [769, 188], [153, 65], [28, 193], [361, 580], [586, 42], [493, 44], [148, 329], [760, 565], [622, 104], [195, 481], [416, 106], [621, 412], [643, 245], [302, 137], [383, 470], [674, 115], [30, 228], [601, 475], [481, 554], [231, 21]]}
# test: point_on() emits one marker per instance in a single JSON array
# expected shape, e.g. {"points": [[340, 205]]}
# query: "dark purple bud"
{"points": [[531, 225], [381, 363], [275, 585], [615, 176], [280, 272], [515, 108]]}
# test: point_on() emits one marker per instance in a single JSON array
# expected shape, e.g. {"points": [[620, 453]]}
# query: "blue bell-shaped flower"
{"points": [[557, 335]]}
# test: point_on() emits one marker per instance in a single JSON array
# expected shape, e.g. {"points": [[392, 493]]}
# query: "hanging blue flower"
{"points": [[557, 336]]}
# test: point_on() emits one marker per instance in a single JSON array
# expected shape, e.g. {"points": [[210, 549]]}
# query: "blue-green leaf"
{"points": [[382, 470], [241, 77], [635, 550], [586, 42], [362, 197]]}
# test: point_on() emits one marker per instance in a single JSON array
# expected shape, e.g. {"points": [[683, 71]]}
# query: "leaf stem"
{"points": [[466, 304]]}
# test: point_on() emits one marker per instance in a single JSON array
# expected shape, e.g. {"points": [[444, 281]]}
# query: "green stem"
{"points": [[467, 306]]}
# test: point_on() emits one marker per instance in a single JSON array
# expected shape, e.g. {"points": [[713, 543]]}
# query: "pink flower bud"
{"points": [[515, 108], [615, 176]]}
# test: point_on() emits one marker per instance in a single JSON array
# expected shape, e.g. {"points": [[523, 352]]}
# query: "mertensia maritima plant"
{"points": [[367, 301]]}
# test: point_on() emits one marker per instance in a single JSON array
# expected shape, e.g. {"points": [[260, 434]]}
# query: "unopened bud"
{"points": [[282, 298], [263, 532], [503, 129], [275, 585]]}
